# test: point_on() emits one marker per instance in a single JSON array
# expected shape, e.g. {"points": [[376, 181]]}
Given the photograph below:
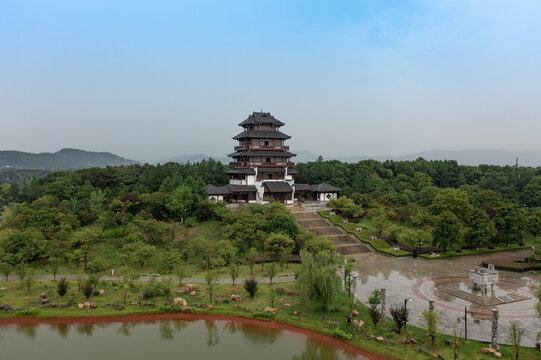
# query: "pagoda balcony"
{"points": [[261, 147], [258, 164]]}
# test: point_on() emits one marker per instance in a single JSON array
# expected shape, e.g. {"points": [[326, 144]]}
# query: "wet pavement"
{"points": [[420, 279]]}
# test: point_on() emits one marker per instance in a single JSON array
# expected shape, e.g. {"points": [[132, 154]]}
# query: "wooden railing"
{"points": [[256, 164], [261, 147]]}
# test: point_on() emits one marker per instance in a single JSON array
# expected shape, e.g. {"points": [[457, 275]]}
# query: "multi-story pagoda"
{"points": [[261, 169]]}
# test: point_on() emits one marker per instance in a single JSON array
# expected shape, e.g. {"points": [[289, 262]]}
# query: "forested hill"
{"points": [[65, 159]]}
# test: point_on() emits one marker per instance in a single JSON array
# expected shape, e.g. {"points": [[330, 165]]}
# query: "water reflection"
{"points": [[315, 350], [28, 331], [212, 333]]}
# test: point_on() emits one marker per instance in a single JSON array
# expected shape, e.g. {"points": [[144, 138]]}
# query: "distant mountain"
{"points": [[530, 158], [65, 159]]}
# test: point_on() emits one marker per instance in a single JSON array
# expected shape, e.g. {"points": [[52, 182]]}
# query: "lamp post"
{"points": [[406, 312]]}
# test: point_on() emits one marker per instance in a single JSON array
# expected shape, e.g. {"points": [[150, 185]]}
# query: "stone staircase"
{"points": [[487, 301], [346, 244]]}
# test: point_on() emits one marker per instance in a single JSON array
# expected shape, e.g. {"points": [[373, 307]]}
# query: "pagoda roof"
{"points": [[217, 190], [261, 153], [261, 134], [277, 186], [323, 187], [271, 170], [248, 171], [241, 188], [228, 189], [292, 171], [261, 118]]}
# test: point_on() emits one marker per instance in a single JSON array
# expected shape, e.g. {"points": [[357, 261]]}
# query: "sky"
{"points": [[150, 80]]}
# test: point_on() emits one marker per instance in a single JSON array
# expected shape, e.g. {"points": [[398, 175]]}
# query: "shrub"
{"points": [[28, 312], [96, 266], [280, 290], [190, 222], [491, 246], [251, 285], [264, 315], [151, 291], [62, 287], [400, 316], [341, 334], [87, 288]]}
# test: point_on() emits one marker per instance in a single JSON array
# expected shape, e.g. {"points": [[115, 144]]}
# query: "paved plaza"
{"points": [[423, 280]]}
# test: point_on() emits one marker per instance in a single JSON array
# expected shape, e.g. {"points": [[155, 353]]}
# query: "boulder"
{"points": [[190, 288], [236, 306], [80, 306], [45, 301], [193, 293], [2, 288], [380, 338], [43, 296], [293, 292], [413, 341], [269, 309], [86, 305], [141, 296], [498, 354], [236, 298], [185, 308], [356, 322], [180, 301], [488, 350], [361, 323], [209, 307], [102, 292], [93, 305], [354, 313], [32, 301], [287, 305]]}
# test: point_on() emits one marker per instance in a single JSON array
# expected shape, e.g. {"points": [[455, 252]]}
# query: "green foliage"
{"points": [[446, 230], [251, 286], [318, 278], [87, 288], [234, 271], [280, 245], [62, 287], [400, 316], [341, 334], [515, 334], [272, 270], [430, 320]]}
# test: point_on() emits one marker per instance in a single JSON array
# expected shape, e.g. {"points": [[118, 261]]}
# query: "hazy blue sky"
{"points": [[155, 79]]}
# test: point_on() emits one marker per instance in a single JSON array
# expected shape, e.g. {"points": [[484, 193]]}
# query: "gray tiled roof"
{"points": [[277, 186], [261, 117], [248, 171], [262, 135], [303, 187], [324, 187], [215, 190], [271, 170], [261, 153]]}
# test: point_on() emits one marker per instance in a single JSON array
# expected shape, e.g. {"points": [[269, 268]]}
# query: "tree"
{"points": [[30, 278], [84, 240], [446, 230], [509, 223], [234, 271], [210, 279], [430, 319], [251, 285], [515, 336], [180, 273], [20, 271], [226, 251], [87, 288], [374, 300], [138, 252], [319, 279], [181, 202], [480, 228], [272, 270], [457, 343], [533, 222], [251, 259], [283, 223], [62, 287], [272, 295], [54, 262], [280, 245], [5, 269], [400, 316]]}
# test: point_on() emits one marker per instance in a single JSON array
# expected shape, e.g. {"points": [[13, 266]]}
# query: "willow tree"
{"points": [[319, 279]]}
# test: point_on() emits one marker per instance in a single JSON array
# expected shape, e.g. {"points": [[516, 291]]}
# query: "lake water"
{"points": [[164, 339]]}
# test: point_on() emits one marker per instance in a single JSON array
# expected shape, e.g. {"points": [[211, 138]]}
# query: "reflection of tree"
{"points": [[259, 335], [125, 328], [232, 327], [212, 333], [85, 329], [27, 330], [166, 332], [62, 329], [180, 324], [318, 351]]}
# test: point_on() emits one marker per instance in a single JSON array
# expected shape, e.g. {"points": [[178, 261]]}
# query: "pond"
{"points": [[161, 339]]}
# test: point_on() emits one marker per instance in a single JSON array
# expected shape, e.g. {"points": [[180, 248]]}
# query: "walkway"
{"points": [[346, 244]]}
